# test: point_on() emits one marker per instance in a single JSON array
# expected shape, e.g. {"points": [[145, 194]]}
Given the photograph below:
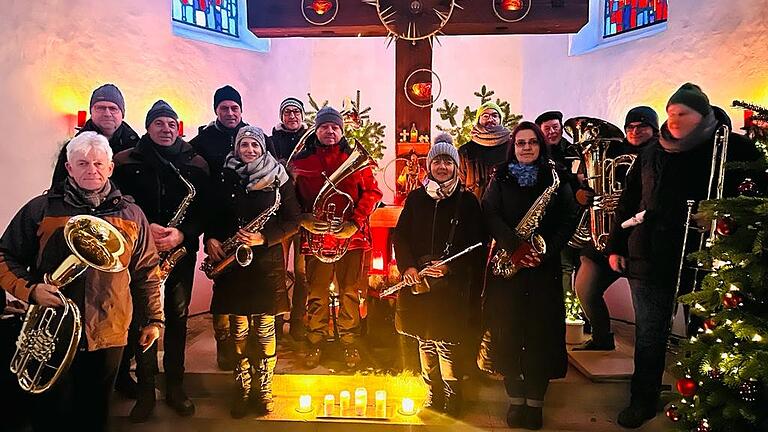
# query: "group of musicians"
{"points": [[251, 196]]}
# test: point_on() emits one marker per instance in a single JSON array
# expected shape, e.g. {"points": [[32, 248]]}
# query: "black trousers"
{"points": [[80, 399], [299, 294], [592, 281]]}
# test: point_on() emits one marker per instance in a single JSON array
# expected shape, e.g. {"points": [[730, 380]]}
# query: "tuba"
{"points": [[605, 176], [335, 206], [50, 336]]}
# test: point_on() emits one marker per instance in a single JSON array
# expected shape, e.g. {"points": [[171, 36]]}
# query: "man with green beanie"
{"points": [[646, 242], [488, 148]]}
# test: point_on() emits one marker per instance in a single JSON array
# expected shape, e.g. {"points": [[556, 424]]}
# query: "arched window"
{"points": [[222, 22], [612, 22]]}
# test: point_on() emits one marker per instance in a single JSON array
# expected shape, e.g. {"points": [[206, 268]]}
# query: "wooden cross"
{"points": [[285, 18]]}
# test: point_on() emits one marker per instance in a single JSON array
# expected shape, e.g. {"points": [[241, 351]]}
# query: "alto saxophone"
{"points": [[501, 263], [170, 258], [234, 249]]}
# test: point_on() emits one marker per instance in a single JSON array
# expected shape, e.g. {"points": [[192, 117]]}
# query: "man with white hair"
{"points": [[34, 245]]}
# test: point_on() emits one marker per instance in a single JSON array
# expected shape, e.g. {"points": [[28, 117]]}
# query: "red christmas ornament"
{"points": [[731, 299], [748, 188], [512, 5], [686, 387], [710, 324], [321, 6], [672, 413], [725, 226], [422, 90]]}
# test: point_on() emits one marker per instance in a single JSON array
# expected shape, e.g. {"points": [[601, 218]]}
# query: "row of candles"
{"points": [[360, 406]]}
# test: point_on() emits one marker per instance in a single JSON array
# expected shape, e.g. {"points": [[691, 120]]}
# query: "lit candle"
{"points": [[305, 403], [344, 402], [328, 402], [407, 406], [361, 401], [381, 403]]}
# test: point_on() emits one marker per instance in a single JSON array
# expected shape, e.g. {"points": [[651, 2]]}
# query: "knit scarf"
{"points": [[439, 191], [92, 199], [526, 175], [260, 174], [702, 133], [493, 136]]}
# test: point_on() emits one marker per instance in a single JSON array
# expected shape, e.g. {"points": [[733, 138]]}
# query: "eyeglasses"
{"points": [[490, 116], [531, 142], [103, 109], [294, 113], [636, 128]]}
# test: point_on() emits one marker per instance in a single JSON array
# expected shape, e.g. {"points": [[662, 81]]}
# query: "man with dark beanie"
{"points": [[283, 141], [324, 152], [595, 275], [156, 173], [107, 109], [646, 242]]}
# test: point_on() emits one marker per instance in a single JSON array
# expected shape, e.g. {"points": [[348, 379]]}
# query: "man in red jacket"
{"points": [[322, 155]]}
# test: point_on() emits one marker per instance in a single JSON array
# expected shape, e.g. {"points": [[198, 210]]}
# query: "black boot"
{"points": [[177, 399], [515, 415], [263, 402], [126, 385], [225, 344], [635, 415], [453, 399], [533, 418], [240, 398], [599, 343], [144, 407]]}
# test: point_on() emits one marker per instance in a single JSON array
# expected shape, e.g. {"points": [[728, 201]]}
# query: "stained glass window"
{"points": [[622, 16], [220, 16]]}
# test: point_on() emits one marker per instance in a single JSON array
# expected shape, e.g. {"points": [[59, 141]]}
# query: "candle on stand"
{"points": [[407, 406], [361, 401], [305, 403], [381, 403], [328, 404], [344, 398]]}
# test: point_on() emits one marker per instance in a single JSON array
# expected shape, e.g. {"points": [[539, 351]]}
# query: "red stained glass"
{"points": [[626, 15]]}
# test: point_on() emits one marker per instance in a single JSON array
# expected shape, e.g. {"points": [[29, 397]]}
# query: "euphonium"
{"points": [[501, 263], [335, 206], [50, 336]]}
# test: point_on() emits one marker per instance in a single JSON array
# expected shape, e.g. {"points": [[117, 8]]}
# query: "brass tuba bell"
{"points": [[50, 336]]}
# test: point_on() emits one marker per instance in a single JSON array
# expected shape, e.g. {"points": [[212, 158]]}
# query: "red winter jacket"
{"points": [[307, 169]]}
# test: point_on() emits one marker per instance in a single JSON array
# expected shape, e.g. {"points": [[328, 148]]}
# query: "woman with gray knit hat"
{"points": [[524, 315], [439, 317], [646, 240], [244, 191]]}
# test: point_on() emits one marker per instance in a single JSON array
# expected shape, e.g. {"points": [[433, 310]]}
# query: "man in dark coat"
{"points": [[439, 317], [488, 148], [647, 236], [107, 108], [156, 174]]}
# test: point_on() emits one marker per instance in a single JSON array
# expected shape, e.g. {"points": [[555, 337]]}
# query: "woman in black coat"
{"points": [[245, 191], [425, 233], [525, 314]]}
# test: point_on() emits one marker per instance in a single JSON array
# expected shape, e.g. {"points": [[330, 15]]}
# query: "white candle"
{"points": [[305, 403], [328, 404], [361, 401], [381, 403], [407, 407], [344, 398]]}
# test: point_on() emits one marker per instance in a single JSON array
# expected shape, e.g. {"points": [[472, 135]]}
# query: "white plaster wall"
{"points": [[55, 53]]}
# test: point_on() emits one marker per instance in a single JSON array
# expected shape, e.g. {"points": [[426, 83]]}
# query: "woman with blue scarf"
{"points": [[525, 314]]}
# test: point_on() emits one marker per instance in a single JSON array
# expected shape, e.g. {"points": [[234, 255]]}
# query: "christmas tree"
{"points": [[722, 372], [461, 132]]}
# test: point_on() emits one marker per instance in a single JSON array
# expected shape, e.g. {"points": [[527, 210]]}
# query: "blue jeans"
{"points": [[653, 302]]}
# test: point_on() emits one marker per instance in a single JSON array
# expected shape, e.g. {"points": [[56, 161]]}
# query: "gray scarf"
{"points": [[260, 174], [699, 135], [440, 191], [490, 137], [92, 199]]}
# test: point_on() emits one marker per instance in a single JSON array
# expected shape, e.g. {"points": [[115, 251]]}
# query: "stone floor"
{"points": [[574, 403]]}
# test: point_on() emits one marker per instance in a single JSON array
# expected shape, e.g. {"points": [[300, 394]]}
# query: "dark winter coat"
{"points": [[33, 244], [661, 183], [421, 234], [124, 138], [251, 289], [214, 142], [526, 313], [476, 165], [157, 189], [282, 142]]}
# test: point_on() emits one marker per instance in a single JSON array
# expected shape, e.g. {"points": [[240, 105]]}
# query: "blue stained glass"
{"points": [[219, 16]]}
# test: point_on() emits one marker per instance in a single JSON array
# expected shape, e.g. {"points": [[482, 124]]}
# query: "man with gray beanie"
{"points": [[646, 242], [291, 127], [107, 109], [156, 173], [323, 153], [437, 221]]}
